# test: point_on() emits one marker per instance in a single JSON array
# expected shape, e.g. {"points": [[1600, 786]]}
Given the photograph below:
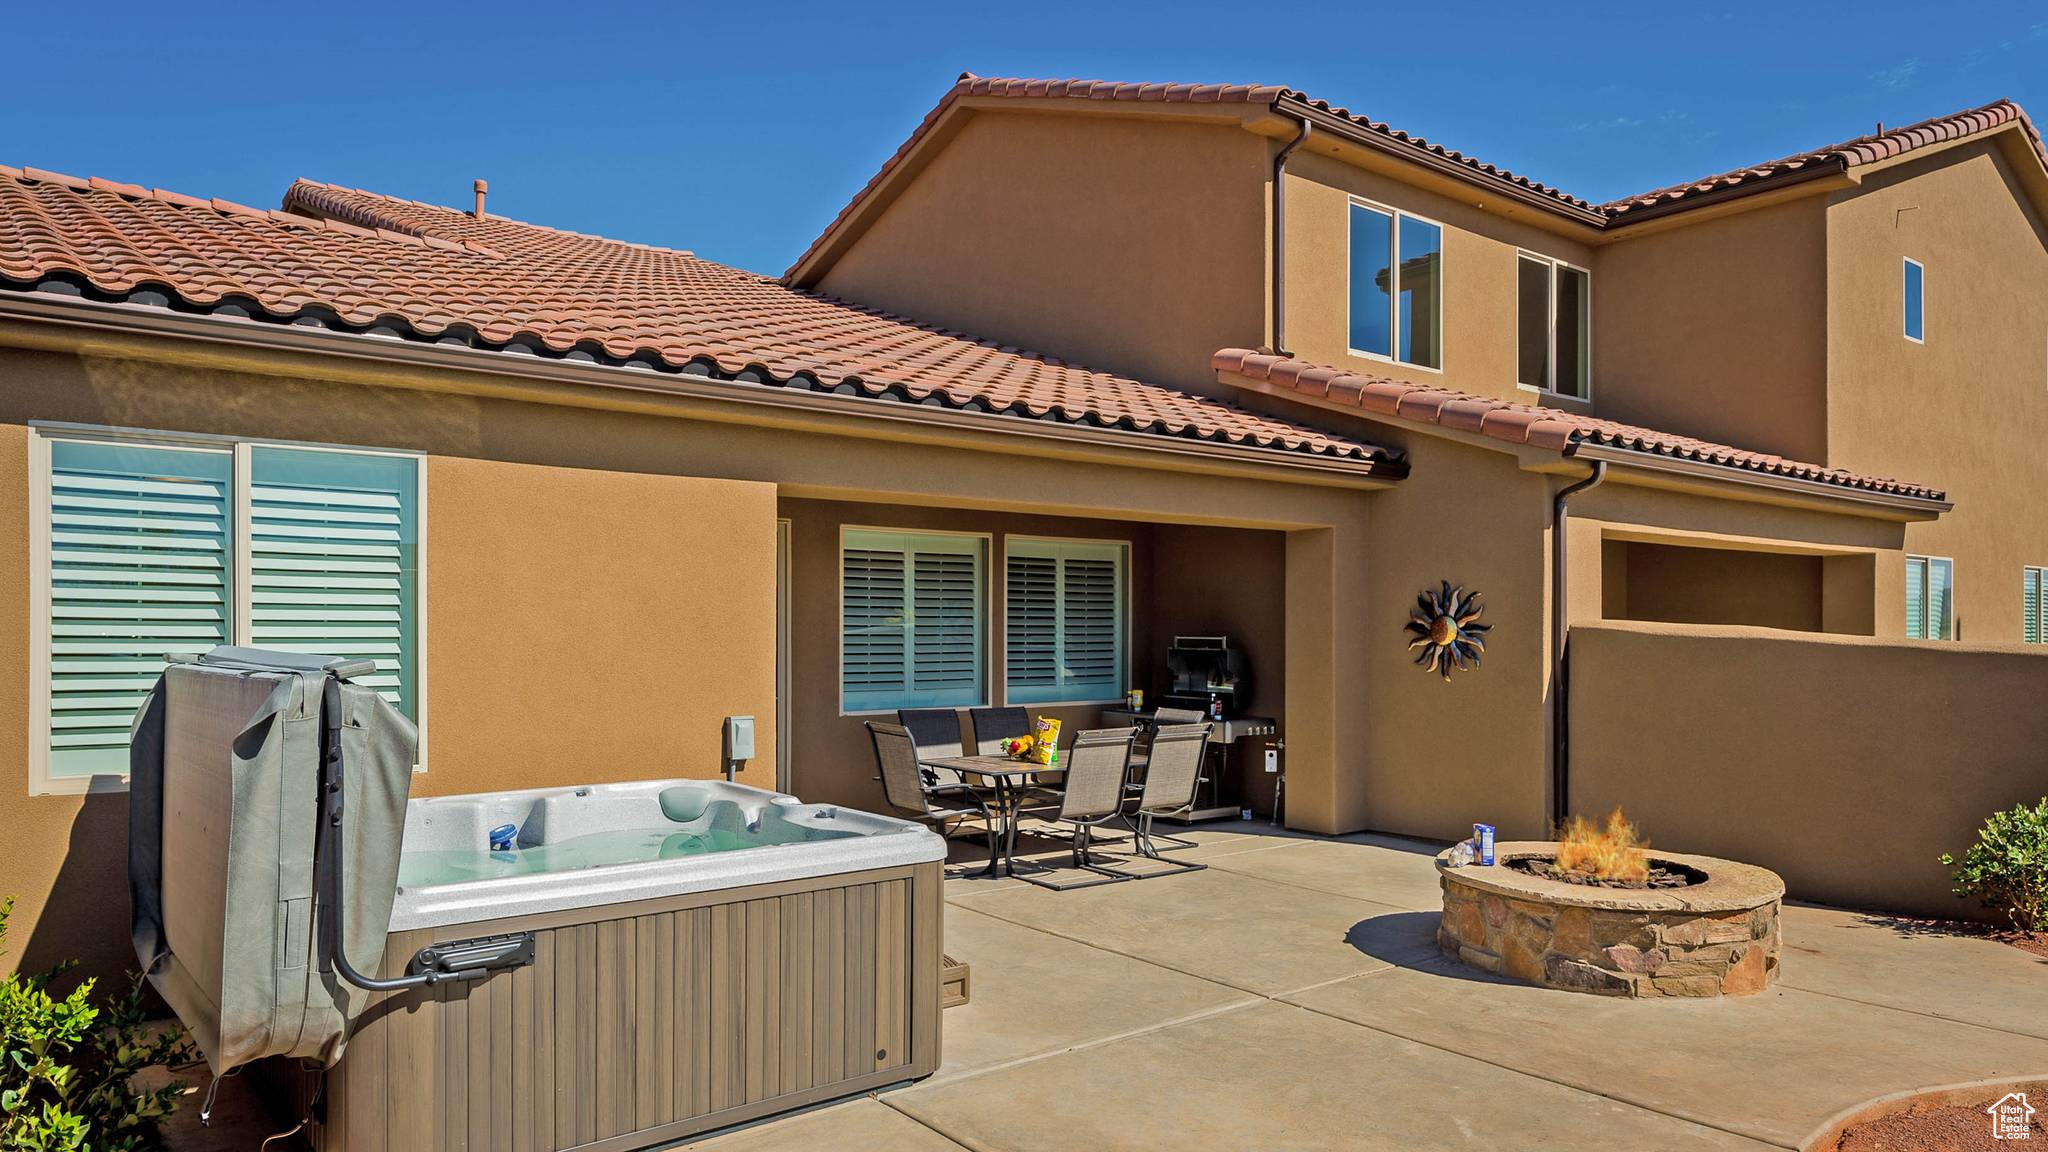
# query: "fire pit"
{"points": [[1698, 926]]}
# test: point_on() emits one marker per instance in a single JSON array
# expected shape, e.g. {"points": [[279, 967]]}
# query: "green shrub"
{"points": [[2007, 868], [65, 1067]]}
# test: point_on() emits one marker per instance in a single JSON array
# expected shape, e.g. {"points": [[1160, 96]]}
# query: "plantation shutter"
{"points": [[139, 567], [1916, 598], [334, 560], [2031, 630], [910, 621], [1064, 621]]}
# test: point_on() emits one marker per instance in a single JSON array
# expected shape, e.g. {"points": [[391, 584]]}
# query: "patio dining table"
{"points": [[1009, 779]]}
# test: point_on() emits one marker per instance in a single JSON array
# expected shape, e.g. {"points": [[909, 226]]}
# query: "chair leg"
{"points": [[1150, 850], [1082, 861]]}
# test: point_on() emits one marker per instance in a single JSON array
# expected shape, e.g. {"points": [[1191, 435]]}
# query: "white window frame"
{"points": [[2037, 574], [987, 540], [1124, 603], [1906, 303], [1953, 615], [42, 434], [1393, 353], [1550, 355]]}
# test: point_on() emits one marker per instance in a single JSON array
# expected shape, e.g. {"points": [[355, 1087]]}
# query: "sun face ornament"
{"points": [[1447, 631]]}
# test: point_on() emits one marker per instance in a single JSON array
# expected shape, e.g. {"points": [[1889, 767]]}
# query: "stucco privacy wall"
{"points": [[1968, 409], [1127, 244], [1848, 765]]}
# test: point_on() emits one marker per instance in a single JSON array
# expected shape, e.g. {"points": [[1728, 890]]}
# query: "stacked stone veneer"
{"points": [[1718, 938]]}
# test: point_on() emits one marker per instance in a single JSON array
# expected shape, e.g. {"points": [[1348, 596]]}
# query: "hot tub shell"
{"points": [[665, 998]]}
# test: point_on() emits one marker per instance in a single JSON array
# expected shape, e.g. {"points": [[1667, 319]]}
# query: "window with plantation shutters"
{"points": [[2034, 605], [149, 546], [1063, 625], [1930, 598], [910, 621], [333, 560], [139, 565]]}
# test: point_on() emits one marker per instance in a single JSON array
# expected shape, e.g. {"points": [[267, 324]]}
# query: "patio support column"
{"points": [[1327, 716]]}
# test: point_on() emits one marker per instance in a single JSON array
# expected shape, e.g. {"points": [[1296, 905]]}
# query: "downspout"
{"points": [[1280, 239], [1560, 706]]}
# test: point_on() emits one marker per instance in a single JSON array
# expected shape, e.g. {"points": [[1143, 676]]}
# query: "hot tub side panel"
{"points": [[648, 1022]]}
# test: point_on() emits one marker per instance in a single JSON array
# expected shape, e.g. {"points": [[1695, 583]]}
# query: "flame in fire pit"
{"points": [[1612, 852]]}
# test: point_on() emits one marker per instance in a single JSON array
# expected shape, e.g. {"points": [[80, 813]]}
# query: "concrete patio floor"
{"points": [[1292, 997]]}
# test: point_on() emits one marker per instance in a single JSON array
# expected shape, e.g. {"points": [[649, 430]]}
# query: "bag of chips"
{"points": [[1045, 741]]}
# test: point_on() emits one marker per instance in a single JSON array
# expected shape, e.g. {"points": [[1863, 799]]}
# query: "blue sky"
{"points": [[739, 131]]}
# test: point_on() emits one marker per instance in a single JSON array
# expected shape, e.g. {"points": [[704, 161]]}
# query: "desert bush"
{"points": [[2007, 868], [66, 1067]]}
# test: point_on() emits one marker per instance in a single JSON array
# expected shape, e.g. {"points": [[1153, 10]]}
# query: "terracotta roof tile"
{"points": [[1862, 150], [1549, 428], [364, 261], [1869, 149]]}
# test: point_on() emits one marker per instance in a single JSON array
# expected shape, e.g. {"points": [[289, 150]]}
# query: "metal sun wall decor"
{"points": [[1447, 630]]}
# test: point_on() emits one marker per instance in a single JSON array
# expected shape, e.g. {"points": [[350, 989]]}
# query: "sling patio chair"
{"points": [[1142, 759], [1096, 766], [937, 733], [946, 807], [1169, 789]]}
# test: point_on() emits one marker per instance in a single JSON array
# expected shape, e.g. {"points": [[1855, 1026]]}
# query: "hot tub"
{"points": [[703, 954]]}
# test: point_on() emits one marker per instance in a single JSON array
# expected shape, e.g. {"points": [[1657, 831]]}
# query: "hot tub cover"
{"points": [[224, 795]]}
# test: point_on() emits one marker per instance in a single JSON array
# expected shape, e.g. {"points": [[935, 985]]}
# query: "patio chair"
{"points": [[1141, 763], [1169, 790], [945, 807], [992, 726], [1094, 795], [937, 732]]}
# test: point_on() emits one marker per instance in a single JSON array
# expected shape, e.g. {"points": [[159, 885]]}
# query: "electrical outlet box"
{"points": [[739, 738], [1272, 760]]}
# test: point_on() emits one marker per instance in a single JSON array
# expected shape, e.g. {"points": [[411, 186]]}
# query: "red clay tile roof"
{"points": [[356, 260], [1862, 150], [1529, 424], [1849, 154]]}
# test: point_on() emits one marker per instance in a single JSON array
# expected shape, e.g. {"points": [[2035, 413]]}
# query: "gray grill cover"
{"points": [[223, 808]]}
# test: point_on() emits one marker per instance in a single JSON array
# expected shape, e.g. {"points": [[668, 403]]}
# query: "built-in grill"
{"points": [[1207, 675]]}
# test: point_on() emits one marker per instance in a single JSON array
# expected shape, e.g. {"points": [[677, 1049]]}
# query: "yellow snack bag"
{"points": [[1045, 741]]}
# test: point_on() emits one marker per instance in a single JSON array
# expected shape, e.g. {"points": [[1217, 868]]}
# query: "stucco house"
{"points": [[1291, 368]]}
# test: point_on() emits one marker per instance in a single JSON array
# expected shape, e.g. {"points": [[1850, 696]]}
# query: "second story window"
{"points": [[1396, 286], [1916, 302], [1554, 326], [2034, 605]]}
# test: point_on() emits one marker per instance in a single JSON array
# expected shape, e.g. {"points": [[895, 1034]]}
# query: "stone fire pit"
{"points": [[1715, 937]]}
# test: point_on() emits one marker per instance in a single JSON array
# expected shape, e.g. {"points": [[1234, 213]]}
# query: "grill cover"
{"points": [[223, 805]]}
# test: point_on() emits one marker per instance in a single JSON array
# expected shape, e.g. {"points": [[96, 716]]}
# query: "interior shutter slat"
{"points": [[138, 567], [340, 529]]}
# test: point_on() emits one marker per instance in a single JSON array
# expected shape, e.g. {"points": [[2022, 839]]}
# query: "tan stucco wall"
{"points": [[1966, 411], [1719, 329], [1479, 295], [603, 623], [1128, 245], [1848, 765]]}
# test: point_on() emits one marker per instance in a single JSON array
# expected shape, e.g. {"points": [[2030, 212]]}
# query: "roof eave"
{"points": [[1683, 473], [92, 327], [1291, 105]]}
